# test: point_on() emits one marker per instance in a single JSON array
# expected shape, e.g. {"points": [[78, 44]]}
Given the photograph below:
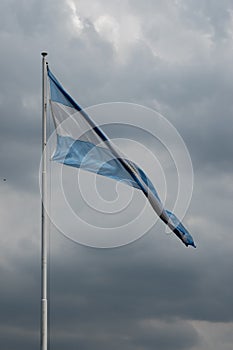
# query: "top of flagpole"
{"points": [[44, 53]]}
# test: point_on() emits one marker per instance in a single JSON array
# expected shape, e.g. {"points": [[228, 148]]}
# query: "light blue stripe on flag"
{"points": [[96, 159]]}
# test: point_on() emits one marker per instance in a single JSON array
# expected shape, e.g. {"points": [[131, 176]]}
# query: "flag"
{"points": [[87, 147]]}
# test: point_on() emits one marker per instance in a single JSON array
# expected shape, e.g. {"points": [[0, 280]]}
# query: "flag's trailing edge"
{"points": [[89, 148]]}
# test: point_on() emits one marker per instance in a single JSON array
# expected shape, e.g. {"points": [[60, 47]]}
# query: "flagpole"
{"points": [[44, 313]]}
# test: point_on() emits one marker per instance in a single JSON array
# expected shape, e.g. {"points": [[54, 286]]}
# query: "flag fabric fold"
{"points": [[87, 147]]}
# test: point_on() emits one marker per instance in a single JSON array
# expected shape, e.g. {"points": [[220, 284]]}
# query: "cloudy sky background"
{"points": [[172, 56]]}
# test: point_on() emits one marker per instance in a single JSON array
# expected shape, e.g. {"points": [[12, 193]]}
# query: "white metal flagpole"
{"points": [[44, 313]]}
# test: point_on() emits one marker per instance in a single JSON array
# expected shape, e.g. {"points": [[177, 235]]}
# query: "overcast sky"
{"points": [[174, 56]]}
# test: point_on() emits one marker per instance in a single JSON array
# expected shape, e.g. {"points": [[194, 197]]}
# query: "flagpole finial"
{"points": [[44, 53]]}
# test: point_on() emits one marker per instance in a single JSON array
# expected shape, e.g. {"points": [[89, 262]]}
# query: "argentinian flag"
{"points": [[82, 144]]}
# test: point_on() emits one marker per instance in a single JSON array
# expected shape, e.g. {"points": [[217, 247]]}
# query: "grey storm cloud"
{"points": [[175, 57]]}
